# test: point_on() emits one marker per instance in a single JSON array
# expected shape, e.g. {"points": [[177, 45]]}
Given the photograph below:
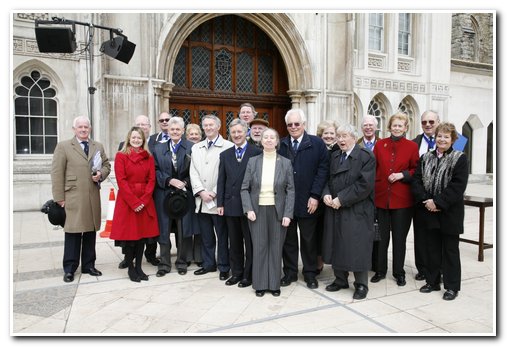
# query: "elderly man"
{"points": [[369, 128], [230, 177], [75, 179], [257, 126], [163, 135], [350, 193], [204, 177], [426, 142], [310, 161]]}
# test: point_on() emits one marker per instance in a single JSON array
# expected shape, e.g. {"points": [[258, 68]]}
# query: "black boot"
{"points": [[129, 258], [139, 259]]}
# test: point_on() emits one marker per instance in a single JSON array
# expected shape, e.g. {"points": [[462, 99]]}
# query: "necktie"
{"points": [[295, 146], [165, 137], [85, 148], [238, 153], [431, 142], [343, 157], [369, 145], [210, 143]]}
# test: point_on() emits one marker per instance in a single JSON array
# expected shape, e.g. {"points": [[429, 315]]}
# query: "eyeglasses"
{"points": [[424, 122], [164, 120], [293, 125]]}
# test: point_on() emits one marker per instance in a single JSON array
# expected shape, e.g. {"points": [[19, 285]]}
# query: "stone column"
{"points": [[166, 94], [313, 118], [295, 97]]}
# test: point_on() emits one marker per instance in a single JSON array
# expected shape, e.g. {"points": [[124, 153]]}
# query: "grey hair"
{"points": [[369, 116], [239, 121], [431, 111], [213, 117], [297, 111], [349, 129], [177, 120], [78, 118]]}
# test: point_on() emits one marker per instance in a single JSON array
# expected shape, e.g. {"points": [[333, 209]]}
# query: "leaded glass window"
{"points": [[376, 109], [201, 68], [223, 70], [180, 69], [36, 111], [265, 74], [245, 76]]}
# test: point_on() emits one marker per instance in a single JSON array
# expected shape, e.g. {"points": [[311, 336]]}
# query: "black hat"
{"points": [[56, 213], [176, 204]]}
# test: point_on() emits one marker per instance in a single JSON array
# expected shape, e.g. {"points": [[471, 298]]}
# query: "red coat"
{"points": [[135, 174], [394, 156]]}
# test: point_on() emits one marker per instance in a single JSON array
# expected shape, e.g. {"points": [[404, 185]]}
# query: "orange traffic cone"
{"points": [[110, 212]]}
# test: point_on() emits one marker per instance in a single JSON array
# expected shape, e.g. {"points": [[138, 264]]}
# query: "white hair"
{"points": [[299, 112]]}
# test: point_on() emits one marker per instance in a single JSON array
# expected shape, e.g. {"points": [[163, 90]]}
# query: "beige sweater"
{"points": [[267, 193]]}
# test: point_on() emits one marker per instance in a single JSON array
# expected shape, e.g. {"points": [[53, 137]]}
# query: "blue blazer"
{"points": [[311, 170], [230, 177]]}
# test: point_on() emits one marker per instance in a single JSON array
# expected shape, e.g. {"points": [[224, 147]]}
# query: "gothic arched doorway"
{"points": [[223, 63]]}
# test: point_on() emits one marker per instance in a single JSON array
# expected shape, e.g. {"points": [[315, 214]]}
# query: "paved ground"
{"points": [[42, 304]]}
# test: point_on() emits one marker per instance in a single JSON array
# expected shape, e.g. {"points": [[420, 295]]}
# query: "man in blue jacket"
{"points": [[310, 161]]}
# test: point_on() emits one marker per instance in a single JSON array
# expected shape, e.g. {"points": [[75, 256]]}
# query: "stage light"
{"points": [[119, 48], [55, 39]]}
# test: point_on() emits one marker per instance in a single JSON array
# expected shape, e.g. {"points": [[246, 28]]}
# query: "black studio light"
{"points": [[119, 48], [55, 39]]}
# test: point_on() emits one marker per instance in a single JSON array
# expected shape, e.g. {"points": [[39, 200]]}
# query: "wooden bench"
{"points": [[481, 203]]}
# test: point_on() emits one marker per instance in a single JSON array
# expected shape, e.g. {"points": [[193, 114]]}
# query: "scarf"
{"points": [[437, 172]]}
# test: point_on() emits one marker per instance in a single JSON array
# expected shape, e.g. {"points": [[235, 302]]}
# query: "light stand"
{"points": [[62, 40]]}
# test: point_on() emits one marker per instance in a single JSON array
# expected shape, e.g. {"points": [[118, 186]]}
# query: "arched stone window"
{"points": [[406, 106], [36, 113], [377, 109]]}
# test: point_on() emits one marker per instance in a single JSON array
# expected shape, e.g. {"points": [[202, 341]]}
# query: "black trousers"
{"points": [[420, 244], [240, 247], [360, 277], [442, 253], [398, 222], [79, 245], [308, 240]]}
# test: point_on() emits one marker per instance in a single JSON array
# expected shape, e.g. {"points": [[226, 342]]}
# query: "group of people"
{"points": [[248, 206]]}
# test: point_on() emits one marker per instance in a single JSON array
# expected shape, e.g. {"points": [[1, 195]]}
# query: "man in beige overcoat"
{"points": [[75, 179]]}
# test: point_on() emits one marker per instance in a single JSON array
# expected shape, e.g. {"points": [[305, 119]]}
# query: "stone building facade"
{"points": [[333, 65]]}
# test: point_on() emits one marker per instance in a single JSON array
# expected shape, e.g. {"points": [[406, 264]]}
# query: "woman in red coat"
{"points": [[135, 219], [397, 160]]}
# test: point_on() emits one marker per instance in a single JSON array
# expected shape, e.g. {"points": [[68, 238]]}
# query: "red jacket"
{"points": [[135, 174], [394, 156]]}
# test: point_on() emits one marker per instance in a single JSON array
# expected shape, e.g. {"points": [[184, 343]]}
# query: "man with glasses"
{"points": [[310, 161], [163, 135], [426, 142]]}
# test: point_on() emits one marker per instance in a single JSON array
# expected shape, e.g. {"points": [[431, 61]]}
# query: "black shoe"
{"points": [[259, 293], [244, 283], [312, 283], [286, 281], [420, 277], [198, 263], [133, 275], [377, 277], [142, 275], [360, 292], [188, 263], [123, 264], [153, 261], [232, 281], [450, 294], [428, 288], [68, 277], [400, 280], [223, 275], [276, 292], [161, 273], [182, 271], [334, 287], [203, 271], [92, 272]]}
